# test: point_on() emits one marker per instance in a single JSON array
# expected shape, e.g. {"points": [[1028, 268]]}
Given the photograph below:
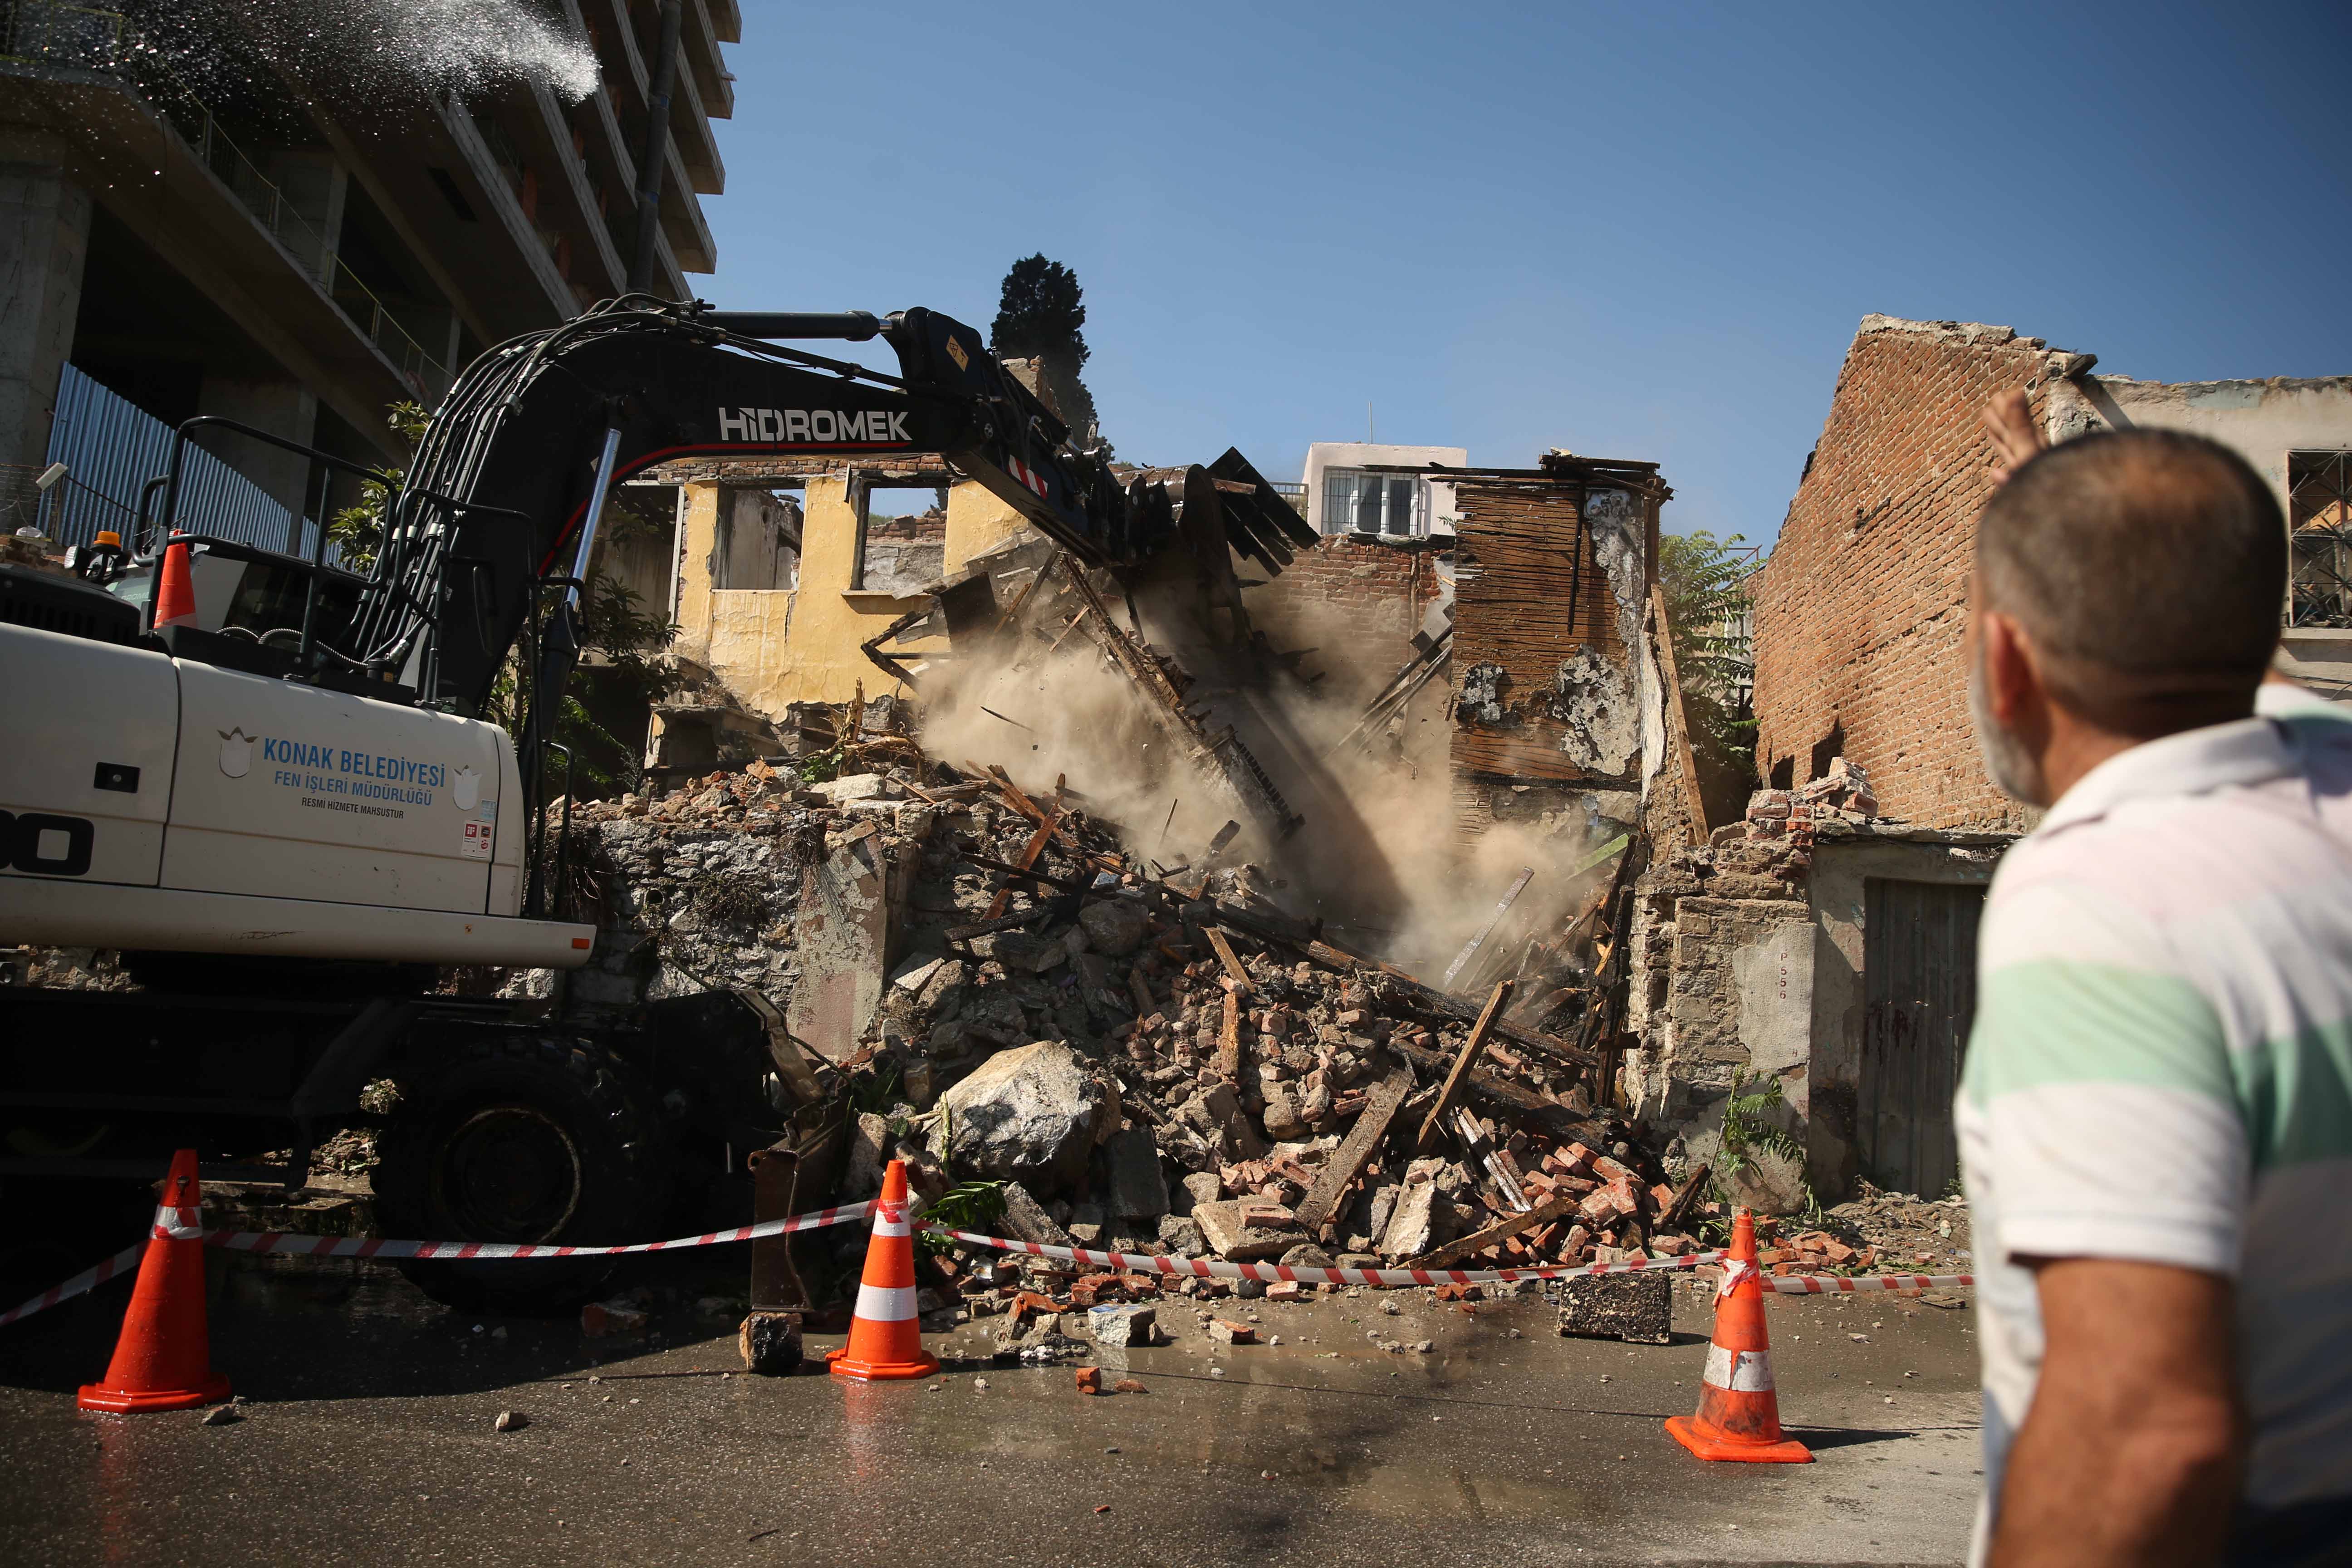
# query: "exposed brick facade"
{"points": [[1356, 601], [1860, 611]]}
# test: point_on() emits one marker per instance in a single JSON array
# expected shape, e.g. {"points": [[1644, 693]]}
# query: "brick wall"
{"points": [[1356, 602], [1860, 611]]}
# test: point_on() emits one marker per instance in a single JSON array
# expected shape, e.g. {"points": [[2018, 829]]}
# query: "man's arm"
{"points": [[2131, 1453], [2008, 421]]}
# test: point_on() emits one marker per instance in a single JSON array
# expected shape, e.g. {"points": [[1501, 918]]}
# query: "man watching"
{"points": [[2155, 1113]]}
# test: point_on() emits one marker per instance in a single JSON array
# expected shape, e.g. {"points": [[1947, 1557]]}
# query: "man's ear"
{"points": [[2012, 681]]}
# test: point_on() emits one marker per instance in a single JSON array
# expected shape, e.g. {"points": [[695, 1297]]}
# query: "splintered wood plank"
{"points": [[1356, 1150], [1228, 1062], [1216, 936], [1029, 853], [1477, 1241], [1471, 1050]]}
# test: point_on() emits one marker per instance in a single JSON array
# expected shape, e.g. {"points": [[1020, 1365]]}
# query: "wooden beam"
{"points": [[1512, 1100], [1227, 1064], [1471, 1050], [1436, 1001], [1029, 853], [1241, 977], [1694, 1186], [1470, 949], [1477, 1241], [1354, 1151]]}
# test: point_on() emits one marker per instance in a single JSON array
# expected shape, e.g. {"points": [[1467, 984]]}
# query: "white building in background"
{"points": [[1346, 494]]}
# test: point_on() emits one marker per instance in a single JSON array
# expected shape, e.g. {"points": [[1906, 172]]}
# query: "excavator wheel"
{"points": [[521, 1138]]}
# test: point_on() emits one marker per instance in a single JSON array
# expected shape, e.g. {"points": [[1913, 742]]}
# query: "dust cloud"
{"points": [[1378, 856], [1068, 717], [1396, 809]]}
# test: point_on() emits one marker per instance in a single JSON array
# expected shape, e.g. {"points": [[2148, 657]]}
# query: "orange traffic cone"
{"points": [[885, 1339], [163, 1361], [175, 590], [1738, 1415]]}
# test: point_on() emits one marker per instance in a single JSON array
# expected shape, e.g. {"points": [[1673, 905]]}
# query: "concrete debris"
{"points": [[1123, 1326], [1148, 1060], [1031, 1115], [1635, 1307]]}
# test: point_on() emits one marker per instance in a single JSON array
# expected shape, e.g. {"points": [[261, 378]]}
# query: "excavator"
{"points": [[282, 803]]}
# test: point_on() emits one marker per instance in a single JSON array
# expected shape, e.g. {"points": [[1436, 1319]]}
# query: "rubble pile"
{"points": [[1897, 1231], [696, 887], [1077, 1045], [1139, 1057]]}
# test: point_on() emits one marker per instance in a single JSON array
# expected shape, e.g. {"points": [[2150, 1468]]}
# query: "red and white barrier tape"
{"points": [[1217, 1268], [1845, 1285], [87, 1279], [181, 1225], [372, 1246]]}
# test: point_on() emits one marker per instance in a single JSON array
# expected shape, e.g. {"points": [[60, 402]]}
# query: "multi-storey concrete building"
{"points": [[216, 220]]}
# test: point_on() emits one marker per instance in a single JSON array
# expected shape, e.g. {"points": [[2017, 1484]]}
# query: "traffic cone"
{"points": [[175, 590], [163, 1361], [1738, 1415], [885, 1338]]}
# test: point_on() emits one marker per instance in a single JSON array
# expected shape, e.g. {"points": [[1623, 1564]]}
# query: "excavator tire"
{"points": [[521, 1138]]}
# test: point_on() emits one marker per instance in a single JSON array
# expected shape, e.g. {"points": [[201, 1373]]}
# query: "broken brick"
{"points": [[598, 1318]]}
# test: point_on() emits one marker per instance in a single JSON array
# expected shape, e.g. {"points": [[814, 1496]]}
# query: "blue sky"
{"points": [[1637, 232]]}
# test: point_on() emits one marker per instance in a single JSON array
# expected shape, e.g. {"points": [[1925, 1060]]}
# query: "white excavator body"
{"points": [[151, 802]]}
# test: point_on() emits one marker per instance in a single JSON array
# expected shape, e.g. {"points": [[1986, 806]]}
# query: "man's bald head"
{"points": [[2148, 567]]}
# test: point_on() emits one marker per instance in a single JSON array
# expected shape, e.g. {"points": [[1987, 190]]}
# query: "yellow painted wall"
{"points": [[775, 646], [803, 645], [976, 523]]}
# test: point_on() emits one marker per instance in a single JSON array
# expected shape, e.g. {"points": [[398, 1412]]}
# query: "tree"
{"points": [[357, 531], [1705, 580], [1039, 315]]}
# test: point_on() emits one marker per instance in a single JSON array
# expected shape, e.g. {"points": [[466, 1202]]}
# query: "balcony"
{"points": [[76, 57]]}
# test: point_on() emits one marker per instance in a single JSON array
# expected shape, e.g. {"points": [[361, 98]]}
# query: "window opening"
{"points": [[902, 536], [2319, 519], [758, 546]]}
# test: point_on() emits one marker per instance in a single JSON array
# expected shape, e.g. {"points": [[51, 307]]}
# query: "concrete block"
{"points": [[1635, 1307]]}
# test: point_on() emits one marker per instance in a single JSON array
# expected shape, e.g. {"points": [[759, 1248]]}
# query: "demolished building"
{"points": [[1355, 783], [1826, 945]]}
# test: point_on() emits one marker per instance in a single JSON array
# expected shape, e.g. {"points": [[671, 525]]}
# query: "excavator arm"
{"points": [[511, 476]]}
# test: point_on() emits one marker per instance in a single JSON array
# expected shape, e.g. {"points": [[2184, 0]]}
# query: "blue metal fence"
{"points": [[111, 447]]}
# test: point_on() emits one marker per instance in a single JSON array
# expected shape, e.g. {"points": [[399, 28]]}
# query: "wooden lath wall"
{"points": [[1519, 546]]}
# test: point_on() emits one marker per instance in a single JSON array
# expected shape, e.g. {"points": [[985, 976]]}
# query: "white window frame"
{"points": [[1343, 488]]}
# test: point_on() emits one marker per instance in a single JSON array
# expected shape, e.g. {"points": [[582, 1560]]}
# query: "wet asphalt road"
{"points": [[368, 1438]]}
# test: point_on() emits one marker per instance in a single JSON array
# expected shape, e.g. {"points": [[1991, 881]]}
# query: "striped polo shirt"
{"points": [[2161, 1068]]}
